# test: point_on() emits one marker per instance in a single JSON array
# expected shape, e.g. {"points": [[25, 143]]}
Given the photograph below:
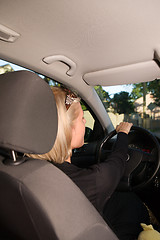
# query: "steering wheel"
{"points": [[142, 164]]}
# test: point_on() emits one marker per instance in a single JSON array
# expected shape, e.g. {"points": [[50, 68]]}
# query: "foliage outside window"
{"points": [[141, 106]]}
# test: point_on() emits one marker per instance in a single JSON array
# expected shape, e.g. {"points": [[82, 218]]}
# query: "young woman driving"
{"points": [[122, 211]]}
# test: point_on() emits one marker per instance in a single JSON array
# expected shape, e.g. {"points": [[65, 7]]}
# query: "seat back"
{"points": [[37, 200]]}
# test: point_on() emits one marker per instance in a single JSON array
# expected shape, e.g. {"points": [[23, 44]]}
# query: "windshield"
{"points": [[137, 103]]}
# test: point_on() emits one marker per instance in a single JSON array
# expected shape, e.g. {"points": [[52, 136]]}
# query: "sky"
{"points": [[116, 89], [15, 67], [111, 90]]}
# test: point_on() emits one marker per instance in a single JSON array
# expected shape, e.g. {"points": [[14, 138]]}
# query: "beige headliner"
{"points": [[110, 42]]}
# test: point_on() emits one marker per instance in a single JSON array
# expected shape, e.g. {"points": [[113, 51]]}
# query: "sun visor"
{"points": [[139, 72]]}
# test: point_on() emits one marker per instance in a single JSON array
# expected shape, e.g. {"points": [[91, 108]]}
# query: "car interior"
{"points": [[79, 45], [36, 205]]}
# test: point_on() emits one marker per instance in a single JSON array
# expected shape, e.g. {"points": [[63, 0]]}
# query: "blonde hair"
{"points": [[62, 150]]}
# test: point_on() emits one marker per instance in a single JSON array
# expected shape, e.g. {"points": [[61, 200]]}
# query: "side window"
{"points": [[8, 67], [94, 129], [89, 119], [88, 116], [89, 127]]}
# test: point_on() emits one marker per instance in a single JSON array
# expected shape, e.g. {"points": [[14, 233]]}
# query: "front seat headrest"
{"points": [[28, 113]]}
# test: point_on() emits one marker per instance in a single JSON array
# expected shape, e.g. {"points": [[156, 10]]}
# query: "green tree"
{"points": [[104, 96], [6, 68], [154, 88], [122, 103], [138, 90], [51, 82]]}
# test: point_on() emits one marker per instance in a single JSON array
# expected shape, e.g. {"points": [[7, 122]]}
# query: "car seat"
{"points": [[37, 200]]}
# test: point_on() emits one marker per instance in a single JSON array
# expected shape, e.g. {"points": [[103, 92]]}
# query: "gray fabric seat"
{"points": [[37, 200]]}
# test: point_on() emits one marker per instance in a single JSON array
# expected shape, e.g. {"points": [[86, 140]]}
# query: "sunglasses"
{"points": [[70, 98]]}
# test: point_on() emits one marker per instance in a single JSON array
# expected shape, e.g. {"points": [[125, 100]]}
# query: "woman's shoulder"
{"points": [[66, 167]]}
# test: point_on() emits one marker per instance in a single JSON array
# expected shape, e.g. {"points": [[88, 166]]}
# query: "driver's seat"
{"points": [[37, 200]]}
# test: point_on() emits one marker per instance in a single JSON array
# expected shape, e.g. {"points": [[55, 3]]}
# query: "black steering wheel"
{"points": [[142, 163]]}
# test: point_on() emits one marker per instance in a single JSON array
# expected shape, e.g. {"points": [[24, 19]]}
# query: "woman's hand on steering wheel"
{"points": [[124, 127], [146, 163]]}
